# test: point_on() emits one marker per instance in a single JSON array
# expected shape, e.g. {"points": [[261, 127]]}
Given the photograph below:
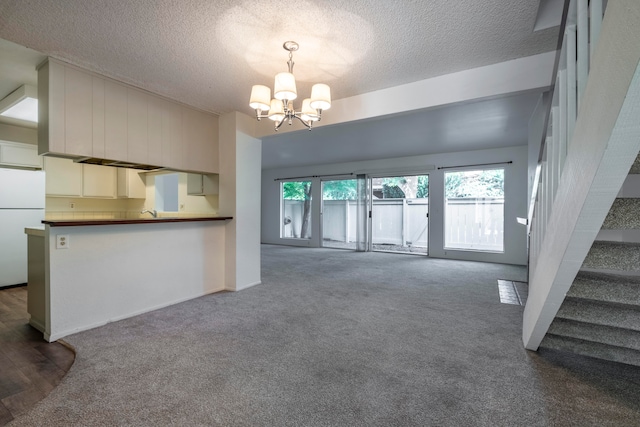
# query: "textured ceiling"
{"points": [[208, 53]]}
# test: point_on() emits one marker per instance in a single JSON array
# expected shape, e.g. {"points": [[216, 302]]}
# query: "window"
{"points": [[474, 210], [296, 210], [166, 192]]}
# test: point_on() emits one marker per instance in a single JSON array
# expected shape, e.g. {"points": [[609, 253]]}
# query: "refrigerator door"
{"points": [[13, 243], [21, 189]]}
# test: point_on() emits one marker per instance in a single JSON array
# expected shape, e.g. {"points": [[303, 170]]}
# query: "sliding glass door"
{"points": [[339, 213], [400, 214]]}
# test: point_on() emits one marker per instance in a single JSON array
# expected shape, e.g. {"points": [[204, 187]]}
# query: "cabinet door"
{"points": [[98, 181], [115, 121], [154, 137], [131, 184], [78, 95], [20, 155], [51, 109], [202, 185], [137, 125], [63, 177], [174, 127], [98, 117]]}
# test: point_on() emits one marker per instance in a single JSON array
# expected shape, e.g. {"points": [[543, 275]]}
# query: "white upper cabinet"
{"points": [[63, 177], [138, 126], [115, 121], [131, 184], [98, 181], [19, 155], [78, 104], [86, 115]]}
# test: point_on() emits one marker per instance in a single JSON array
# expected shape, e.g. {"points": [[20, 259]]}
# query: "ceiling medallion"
{"points": [[280, 109]]}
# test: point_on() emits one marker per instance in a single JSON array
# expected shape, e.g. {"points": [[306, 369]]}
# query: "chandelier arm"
{"points": [[302, 120]]}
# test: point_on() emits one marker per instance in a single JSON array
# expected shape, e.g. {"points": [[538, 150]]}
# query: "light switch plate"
{"points": [[62, 241]]}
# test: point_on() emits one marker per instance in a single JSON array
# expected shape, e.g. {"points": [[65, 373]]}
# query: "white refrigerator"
{"points": [[22, 198]]}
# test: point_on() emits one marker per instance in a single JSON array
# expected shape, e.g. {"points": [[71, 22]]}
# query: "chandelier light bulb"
{"points": [[280, 108]]}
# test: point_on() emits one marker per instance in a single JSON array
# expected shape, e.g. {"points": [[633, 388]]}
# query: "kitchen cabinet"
{"points": [[19, 155], [83, 114], [131, 184], [201, 184], [98, 181], [63, 177], [137, 126]]}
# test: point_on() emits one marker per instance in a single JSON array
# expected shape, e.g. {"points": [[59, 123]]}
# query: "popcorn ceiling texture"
{"points": [[208, 53]]}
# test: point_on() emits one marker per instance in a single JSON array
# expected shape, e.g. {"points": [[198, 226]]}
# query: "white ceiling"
{"points": [[494, 123], [209, 53]]}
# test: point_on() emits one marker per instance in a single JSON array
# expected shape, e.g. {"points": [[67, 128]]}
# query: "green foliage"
{"points": [[476, 183], [344, 189], [391, 191], [296, 190]]}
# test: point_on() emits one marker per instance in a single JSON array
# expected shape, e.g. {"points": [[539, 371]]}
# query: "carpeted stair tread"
{"points": [[606, 287], [596, 333], [635, 168], [623, 215], [600, 313], [592, 349], [622, 256]]}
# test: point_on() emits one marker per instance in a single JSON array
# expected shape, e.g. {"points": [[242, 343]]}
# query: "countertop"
{"points": [[84, 222], [37, 230]]}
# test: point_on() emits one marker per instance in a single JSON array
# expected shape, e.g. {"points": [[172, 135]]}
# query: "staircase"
{"points": [[600, 316]]}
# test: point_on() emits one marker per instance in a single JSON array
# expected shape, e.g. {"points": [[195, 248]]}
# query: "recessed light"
{"points": [[21, 104]]}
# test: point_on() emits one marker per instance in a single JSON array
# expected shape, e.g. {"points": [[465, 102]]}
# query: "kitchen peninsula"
{"points": [[98, 271]]}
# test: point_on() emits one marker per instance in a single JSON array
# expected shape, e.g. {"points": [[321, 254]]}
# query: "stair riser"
{"points": [[600, 314], [594, 333], [606, 288], [623, 215], [597, 350], [613, 256]]}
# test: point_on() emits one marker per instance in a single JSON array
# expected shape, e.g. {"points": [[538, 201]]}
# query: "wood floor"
{"points": [[29, 366]]}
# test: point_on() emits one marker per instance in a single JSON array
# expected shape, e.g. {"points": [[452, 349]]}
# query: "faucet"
{"points": [[153, 212]]}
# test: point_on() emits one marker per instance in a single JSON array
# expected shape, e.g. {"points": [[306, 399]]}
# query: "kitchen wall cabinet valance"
{"points": [[13, 154], [83, 114]]}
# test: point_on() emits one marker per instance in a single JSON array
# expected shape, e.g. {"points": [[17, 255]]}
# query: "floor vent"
{"points": [[512, 292]]}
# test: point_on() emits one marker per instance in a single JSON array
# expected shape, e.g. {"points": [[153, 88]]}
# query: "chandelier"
{"points": [[280, 108]]}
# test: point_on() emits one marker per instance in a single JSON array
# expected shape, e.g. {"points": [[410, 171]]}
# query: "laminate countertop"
{"points": [[85, 222]]}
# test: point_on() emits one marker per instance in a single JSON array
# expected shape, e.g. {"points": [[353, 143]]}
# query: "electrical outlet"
{"points": [[62, 241], [72, 205], [181, 206]]}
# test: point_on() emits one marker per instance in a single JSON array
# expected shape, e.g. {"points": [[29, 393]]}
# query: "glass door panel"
{"points": [[296, 210], [400, 214], [339, 214]]}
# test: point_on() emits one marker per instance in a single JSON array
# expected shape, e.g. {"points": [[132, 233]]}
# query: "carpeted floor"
{"points": [[337, 338]]}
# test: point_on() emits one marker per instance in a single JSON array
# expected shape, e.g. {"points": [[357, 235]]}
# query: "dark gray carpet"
{"points": [[337, 338]]}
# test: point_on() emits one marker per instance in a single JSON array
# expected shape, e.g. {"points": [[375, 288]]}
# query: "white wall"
{"points": [[113, 272], [515, 198], [240, 175]]}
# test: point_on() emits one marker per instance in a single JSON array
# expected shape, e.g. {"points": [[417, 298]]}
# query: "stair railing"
{"points": [[582, 23]]}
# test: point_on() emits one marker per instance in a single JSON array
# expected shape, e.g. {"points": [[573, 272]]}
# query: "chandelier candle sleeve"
{"points": [[280, 108]]}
